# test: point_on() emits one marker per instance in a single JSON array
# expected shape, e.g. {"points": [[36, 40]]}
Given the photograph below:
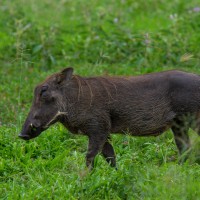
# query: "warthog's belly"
{"points": [[155, 132]]}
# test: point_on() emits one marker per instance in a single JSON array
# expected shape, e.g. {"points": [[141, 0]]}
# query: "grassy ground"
{"points": [[38, 38]]}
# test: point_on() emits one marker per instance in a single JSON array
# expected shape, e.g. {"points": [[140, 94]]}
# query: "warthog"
{"points": [[145, 105]]}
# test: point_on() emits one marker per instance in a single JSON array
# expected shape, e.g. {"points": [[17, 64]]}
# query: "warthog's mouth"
{"points": [[32, 133], [24, 137]]}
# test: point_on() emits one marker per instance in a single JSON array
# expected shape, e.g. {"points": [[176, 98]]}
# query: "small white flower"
{"points": [[116, 20]]}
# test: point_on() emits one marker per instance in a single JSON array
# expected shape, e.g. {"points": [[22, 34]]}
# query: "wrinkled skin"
{"points": [[144, 105]]}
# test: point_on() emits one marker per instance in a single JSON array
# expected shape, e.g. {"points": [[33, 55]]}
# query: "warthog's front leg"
{"points": [[95, 146], [108, 153]]}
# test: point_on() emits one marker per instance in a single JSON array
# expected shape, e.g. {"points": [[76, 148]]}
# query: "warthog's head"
{"points": [[47, 104]]}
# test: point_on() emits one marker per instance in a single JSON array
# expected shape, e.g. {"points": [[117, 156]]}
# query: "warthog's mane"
{"points": [[105, 82]]}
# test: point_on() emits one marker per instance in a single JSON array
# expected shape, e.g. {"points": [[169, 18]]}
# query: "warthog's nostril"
{"points": [[25, 137]]}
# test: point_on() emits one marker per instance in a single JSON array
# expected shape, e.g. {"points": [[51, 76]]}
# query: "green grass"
{"points": [[121, 37]]}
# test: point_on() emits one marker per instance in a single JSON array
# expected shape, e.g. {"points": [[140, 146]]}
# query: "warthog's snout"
{"points": [[30, 131], [24, 137]]}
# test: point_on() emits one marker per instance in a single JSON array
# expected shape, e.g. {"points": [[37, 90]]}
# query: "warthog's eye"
{"points": [[43, 90]]}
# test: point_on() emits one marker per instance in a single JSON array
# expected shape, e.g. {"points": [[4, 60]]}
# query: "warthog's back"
{"points": [[144, 105]]}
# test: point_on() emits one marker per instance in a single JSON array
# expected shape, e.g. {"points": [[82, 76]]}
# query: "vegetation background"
{"points": [[116, 37]]}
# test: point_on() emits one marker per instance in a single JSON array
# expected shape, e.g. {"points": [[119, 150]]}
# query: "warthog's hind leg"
{"points": [[180, 131], [196, 124]]}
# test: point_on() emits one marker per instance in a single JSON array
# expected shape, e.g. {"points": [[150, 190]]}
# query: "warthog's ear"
{"points": [[65, 74]]}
